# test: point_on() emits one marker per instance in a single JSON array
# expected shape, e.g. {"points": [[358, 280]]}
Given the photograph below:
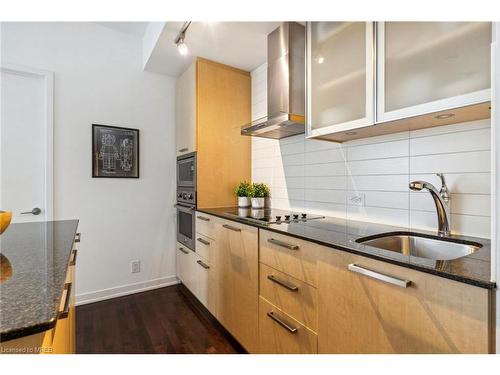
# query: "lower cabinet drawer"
{"points": [[205, 225], [281, 334], [203, 245], [290, 255], [294, 297]]}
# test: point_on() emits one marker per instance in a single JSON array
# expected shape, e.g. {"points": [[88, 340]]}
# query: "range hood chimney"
{"points": [[285, 85]]}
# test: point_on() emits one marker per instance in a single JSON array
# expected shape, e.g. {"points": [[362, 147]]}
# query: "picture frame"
{"points": [[115, 152]]}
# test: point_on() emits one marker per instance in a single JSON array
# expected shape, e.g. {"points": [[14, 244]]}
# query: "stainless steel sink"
{"points": [[420, 246]]}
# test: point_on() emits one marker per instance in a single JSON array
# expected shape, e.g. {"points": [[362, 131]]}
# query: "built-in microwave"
{"points": [[186, 170]]}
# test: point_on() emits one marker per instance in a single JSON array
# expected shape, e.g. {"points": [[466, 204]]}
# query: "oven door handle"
{"points": [[184, 208]]}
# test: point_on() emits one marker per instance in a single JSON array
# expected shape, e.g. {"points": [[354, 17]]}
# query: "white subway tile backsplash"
{"points": [[318, 176], [378, 183], [384, 215], [378, 167], [475, 161], [325, 195], [328, 169], [475, 140], [326, 182], [379, 150], [325, 156]]}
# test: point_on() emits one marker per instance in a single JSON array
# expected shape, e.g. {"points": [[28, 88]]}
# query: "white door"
{"points": [[26, 143]]}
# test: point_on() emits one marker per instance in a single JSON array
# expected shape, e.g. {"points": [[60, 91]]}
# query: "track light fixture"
{"points": [[180, 39]]}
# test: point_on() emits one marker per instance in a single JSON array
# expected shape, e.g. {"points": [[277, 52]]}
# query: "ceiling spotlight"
{"points": [[444, 116], [182, 48], [320, 60], [180, 39]]}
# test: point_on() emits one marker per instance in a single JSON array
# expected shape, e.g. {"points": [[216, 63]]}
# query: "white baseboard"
{"points": [[123, 290]]}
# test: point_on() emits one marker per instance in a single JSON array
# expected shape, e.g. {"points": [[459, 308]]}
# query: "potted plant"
{"points": [[259, 193], [242, 191]]}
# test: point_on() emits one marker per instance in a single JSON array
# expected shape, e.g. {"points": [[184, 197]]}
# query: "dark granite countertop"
{"points": [[39, 254], [342, 234]]}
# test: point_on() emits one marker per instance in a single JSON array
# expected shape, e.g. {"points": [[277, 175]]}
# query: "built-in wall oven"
{"points": [[186, 199]]}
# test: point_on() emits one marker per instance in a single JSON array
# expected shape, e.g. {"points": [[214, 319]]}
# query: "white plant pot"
{"points": [[267, 202], [244, 202], [258, 202]]}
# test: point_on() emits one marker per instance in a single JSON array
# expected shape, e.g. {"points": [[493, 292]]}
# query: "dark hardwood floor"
{"points": [[166, 320]]}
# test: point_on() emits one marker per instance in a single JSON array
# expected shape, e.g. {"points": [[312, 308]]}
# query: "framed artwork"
{"points": [[115, 152]]}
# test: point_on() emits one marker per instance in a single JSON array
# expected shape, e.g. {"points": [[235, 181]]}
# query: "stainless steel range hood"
{"points": [[285, 84]]}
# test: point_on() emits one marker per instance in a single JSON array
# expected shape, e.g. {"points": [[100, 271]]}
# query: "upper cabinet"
{"points": [[212, 101], [340, 71], [367, 79], [426, 67], [185, 113]]}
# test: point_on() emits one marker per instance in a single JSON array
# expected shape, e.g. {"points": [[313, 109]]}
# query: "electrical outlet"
{"points": [[356, 199], [135, 266]]}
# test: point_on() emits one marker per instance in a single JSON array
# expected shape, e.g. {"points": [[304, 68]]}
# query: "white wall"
{"points": [[99, 79], [320, 176]]}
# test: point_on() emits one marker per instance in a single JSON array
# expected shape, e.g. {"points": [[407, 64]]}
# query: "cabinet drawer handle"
{"points": [[184, 251], [283, 283], [64, 306], [72, 260], [232, 228], [183, 149], [203, 241], [203, 218], [288, 327], [204, 265], [78, 237], [283, 244], [379, 276]]}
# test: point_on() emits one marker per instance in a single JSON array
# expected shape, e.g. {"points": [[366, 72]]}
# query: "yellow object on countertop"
{"points": [[5, 217]]}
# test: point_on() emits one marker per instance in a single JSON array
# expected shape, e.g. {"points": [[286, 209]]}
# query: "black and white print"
{"points": [[115, 151]]}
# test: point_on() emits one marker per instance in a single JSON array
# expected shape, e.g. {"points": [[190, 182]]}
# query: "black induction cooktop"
{"points": [[268, 216]]}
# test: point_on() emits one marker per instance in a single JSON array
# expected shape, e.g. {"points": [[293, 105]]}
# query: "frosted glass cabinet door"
{"points": [[425, 67], [340, 76]]}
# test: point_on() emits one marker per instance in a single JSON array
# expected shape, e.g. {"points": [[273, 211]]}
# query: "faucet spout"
{"points": [[441, 200]]}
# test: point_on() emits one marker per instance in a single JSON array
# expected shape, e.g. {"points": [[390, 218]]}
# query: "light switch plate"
{"points": [[356, 199]]}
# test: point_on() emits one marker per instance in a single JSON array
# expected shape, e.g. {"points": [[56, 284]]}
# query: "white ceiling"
{"points": [[239, 44], [134, 28]]}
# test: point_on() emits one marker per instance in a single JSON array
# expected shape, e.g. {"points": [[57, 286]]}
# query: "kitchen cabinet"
{"points": [[61, 339], [426, 67], [236, 281], [397, 310], [212, 103], [193, 270], [185, 111], [279, 333], [340, 71], [182, 261], [412, 75]]}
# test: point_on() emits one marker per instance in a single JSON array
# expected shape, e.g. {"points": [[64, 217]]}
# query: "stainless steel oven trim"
{"points": [[181, 159], [181, 238]]}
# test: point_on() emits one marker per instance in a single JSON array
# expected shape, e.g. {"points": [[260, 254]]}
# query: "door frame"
{"points": [[48, 79]]}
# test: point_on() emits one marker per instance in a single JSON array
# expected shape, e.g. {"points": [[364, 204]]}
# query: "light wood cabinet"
{"points": [[236, 281], [363, 314], [294, 297], [279, 333], [193, 270], [185, 111], [212, 103], [295, 257]]}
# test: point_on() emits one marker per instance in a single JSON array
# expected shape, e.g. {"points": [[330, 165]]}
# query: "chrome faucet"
{"points": [[441, 200]]}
